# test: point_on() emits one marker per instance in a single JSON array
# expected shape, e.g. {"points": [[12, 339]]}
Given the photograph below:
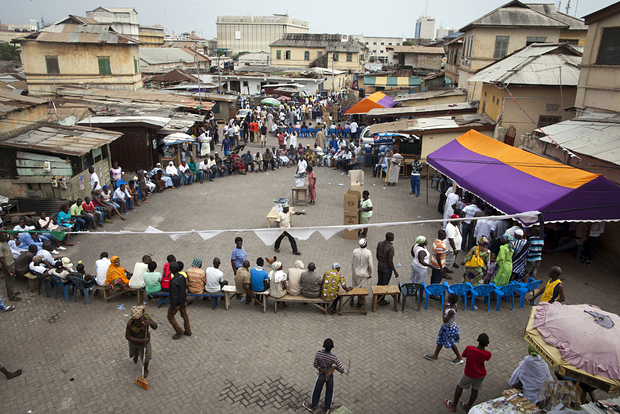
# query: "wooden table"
{"points": [[295, 194], [361, 293], [380, 292], [272, 216]]}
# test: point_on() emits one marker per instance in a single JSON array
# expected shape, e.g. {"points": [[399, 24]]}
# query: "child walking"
{"points": [[449, 332]]}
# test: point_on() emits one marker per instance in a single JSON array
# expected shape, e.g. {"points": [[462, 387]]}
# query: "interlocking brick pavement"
{"points": [[75, 357]]}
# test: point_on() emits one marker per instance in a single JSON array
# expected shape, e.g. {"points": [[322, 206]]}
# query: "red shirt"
{"points": [[90, 207], [474, 366], [165, 280], [280, 139]]}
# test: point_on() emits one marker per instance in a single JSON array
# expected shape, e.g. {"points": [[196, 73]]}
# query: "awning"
{"points": [[393, 81], [376, 100], [513, 180]]}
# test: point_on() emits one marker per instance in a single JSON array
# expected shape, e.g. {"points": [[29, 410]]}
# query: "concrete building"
{"points": [[253, 59], [425, 27], [255, 33], [163, 60], [599, 80], [303, 50], [577, 30], [501, 32], [443, 32], [80, 52], [122, 20], [453, 48], [416, 57], [151, 36], [542, 78], [377, 46]]}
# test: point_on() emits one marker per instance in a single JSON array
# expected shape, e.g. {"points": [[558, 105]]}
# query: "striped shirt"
{"points": [[536, 246], [324, 360]]}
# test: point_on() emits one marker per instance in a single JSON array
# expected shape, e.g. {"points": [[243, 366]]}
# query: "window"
{"points": [[237, 35], [307, 55], [335, 57], [532, 39], [52, 64], [397, 44], [374, 43], [493, 98], [382, 43], [501, 46], [104, 65], [349, 57], [366, 42], [610, 47], [390, 44], [287, 54], [471, 45], [374, 51], [278, 54], [552, 107], [548, 120], [381, 51], [484, 106], [135, 64], [319, 54]]}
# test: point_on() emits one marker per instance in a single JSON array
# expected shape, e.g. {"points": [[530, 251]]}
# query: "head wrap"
{"points": [[531, 351], [276, 265], [362, 242], [285, 205], [115, 272], [519, 232], [299, 264], [420, 240], [105, 187], [183, 160], [336, 266], [197, 263], [37, 260], [482, 240], [507, 237], [454, 216], [137, 312], [66, 262]]}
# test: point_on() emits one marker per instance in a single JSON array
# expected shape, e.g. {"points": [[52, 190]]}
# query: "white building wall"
{"points": [[427, 27], [377, 46]]}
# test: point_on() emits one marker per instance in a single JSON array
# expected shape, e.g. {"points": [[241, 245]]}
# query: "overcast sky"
{"points": [[372, 18]]}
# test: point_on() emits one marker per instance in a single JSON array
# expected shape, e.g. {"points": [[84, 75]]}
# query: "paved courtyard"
{"points": [[75, 357]]}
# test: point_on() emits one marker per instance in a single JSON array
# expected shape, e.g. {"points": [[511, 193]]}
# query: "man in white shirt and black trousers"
{"points": [[283, 220]]}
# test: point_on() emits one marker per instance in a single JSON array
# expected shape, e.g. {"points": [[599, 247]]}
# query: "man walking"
{"points": [[283, 220], [361, 268], [326, 363], [137, 334], [178, 302], [385, 259]]}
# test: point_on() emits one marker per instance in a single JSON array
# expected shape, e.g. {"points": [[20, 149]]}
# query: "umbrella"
{"points": [[284, 98], [270, 101], [177, 138], [569, 338]]}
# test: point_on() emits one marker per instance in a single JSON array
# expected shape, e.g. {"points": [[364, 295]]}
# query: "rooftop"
{"points": [[515, 14], [418, 110], [573, 23], [420, 125], [11, 101], [430, 94], [157, 55], [330, 42], [420, 50], [537, 64]]}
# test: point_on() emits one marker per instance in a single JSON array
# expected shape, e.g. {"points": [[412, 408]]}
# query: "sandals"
{"points": [[8, 308], [177, 336], [448, 404], [430, 358], [307, 407], [455, 362], [464, 405]]}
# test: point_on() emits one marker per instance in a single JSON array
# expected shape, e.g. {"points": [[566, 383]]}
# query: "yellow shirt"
{"points": [[284, 219], [549, 288]]}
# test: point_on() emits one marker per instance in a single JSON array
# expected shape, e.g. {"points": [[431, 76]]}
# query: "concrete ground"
{"points": [[75, 357]]}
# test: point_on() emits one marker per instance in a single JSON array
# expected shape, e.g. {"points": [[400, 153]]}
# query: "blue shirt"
{"points": [[63, 219], [257, 276], [226, 143], [536, 246], [334, 144], [239, 256], [26, 240]]}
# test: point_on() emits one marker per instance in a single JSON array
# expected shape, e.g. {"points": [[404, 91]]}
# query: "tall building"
{"points": [[443, 32], [122, 20], [255, 33], [425, 28], [377, 46]]}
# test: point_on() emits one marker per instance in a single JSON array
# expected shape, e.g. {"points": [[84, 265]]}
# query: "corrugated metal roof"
{"points": [[331, 42], [76, 29], [156, 56], [119, 120], [549, 10], [420, 50], [412, 110], [421, 125], [73, 140], [10, 101], [537, 64], [596, 135], [515, 14], [430, 94]]}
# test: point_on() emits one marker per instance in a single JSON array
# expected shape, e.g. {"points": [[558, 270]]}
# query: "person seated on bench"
{"points": [[277, 281], [80, 272], [293, 284], [22, 263], [332, 281], [311, 282], [242, 282], [137, 280], [196, 278], [38, 267], [101, 268], [259, 278], [152, 279], [117, 278], [215, 278]]}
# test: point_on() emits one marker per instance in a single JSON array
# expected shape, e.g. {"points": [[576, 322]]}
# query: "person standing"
{"points": [[178, 302], [520, 247], [7, 268], [361, 268], [473, 375], [138, 336], [365, 210], [238, 255], [453, 242], [394, 161], [326, 363], [95, 183], [553, 290], [534, 254], [416, 168], [385, 262], [594, 235], [420, 262], [311, 184], [283, 220]]}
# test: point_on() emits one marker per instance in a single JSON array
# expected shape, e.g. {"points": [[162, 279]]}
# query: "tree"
{"points": [[8, 52], [407, 43]]}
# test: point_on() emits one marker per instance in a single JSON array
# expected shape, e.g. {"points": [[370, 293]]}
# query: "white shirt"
{"points": [[171, 170], [293, 140], [353, 127], [284, 219], [120, 194], [137, 281], [101, 267], [214, 277], [94, 182], [470, 211], [38, 269], [452, 232], [277, 276], [183, 168], [597, 229], [483, 228], [47, 256], [301, 166], [510, 231]]}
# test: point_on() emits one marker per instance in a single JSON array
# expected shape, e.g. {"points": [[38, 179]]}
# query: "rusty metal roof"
{"points": [[515, 14], [67, 140], [10, 102]]}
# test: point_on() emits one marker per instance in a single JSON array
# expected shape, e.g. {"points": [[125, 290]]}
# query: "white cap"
{"points": [[519, 232]]}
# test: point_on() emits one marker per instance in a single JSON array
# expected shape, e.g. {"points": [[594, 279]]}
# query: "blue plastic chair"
{"points": [[43, 281], [347, 132], [461, 289], [304, 132], [289, 130], [59, 284], [528, 287], [311, 132], [79, 284], [435, 289], [483, 291], [410, 289], [505, 291]]}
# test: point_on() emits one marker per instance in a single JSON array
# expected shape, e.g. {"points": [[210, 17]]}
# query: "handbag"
{"points": [[476, 260]]}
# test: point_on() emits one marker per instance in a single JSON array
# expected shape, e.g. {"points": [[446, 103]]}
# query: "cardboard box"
{"points": [[351, 215], [356, 180]]}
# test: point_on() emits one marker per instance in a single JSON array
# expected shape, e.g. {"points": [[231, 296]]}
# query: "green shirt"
{"points": [[152, 282], [366, 204], [76, 210]]}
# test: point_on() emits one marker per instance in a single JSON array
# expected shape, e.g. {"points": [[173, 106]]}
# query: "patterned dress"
{"points": [[449, 333], [332, 281]]}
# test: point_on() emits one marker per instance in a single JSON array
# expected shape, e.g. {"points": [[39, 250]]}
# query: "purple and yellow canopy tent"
{"points": [[513, 180], [376, 100]]}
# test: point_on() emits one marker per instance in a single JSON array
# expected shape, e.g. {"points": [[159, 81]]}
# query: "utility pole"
{"points": [[333, 85]]}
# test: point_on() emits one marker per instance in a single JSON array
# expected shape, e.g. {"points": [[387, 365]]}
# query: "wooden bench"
{"points": [[317, 302], [360, 293], [380, 292], [109, 294], [165, 296]]}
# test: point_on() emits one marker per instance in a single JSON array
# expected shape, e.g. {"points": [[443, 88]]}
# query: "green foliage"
{"points": [[407, 43], [8, 52]]}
